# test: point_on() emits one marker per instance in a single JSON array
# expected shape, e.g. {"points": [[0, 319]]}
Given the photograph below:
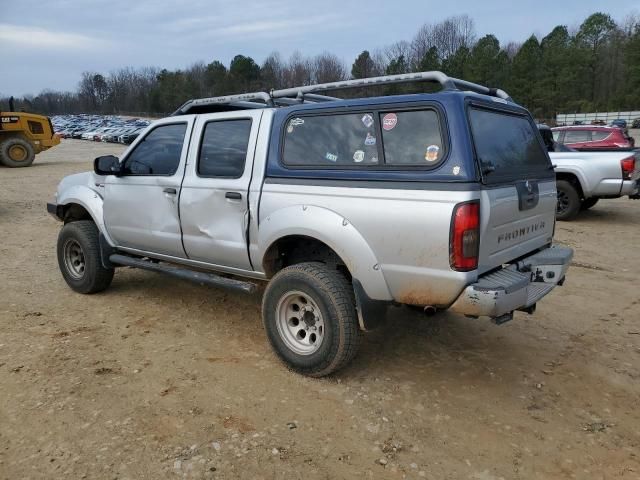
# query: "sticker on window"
{"points": [[358, 156], [367, 120], [332, 157], [432, 153], [294, 122], [389, 121], [370, 140]]}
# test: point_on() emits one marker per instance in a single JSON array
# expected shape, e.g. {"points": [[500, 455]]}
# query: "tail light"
{"points": [[623, 145], [464, 241], [628, 165]]}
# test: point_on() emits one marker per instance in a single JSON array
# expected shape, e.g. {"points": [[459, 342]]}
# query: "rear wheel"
{"points": [[79, 258], [310, 318], [569, 203], [587, 203], [16, 152]]}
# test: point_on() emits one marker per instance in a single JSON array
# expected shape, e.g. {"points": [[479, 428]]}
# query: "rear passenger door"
{"points": [[214, 208]]}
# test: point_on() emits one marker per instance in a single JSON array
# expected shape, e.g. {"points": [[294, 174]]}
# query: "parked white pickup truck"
{"points": [[583, 178]]}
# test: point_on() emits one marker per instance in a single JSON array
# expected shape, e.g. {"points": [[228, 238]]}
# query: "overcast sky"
{"points": [[47, 44]]}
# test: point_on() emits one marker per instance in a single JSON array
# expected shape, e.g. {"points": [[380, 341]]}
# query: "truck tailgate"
{"points": [[518, 200], [506, 231]]}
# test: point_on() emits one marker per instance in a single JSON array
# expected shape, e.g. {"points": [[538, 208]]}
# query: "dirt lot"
{"points": [[158, 378]]}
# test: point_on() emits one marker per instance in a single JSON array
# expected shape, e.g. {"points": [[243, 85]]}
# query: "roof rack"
{"points": [[313, 93]]}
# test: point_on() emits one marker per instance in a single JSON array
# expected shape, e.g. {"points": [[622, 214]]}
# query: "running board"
{"points": [[185, 274]]}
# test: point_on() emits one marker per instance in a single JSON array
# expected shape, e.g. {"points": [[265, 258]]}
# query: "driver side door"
{"points": [[141, 204]]}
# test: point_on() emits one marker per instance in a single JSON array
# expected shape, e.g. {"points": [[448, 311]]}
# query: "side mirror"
{"points": [[106, 165]]}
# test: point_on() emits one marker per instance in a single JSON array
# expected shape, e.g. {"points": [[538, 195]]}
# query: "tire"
{"points": [[79, 258], [16, 152], [587, 203], [316, 300], [569, 202]]}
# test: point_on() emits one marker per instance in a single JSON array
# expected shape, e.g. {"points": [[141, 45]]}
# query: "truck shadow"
{"points": [[602, 216], [409, 346], [413, 347]]}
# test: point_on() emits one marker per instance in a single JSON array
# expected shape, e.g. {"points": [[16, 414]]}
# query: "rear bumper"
{"points": [[608, 187], [634, 189], [516, 287], [630, 187]]}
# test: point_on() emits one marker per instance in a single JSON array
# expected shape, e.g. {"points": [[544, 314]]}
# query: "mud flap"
{"points": [[106, 251], [371, 313]]}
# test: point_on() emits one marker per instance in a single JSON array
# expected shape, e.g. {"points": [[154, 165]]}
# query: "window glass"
{"points": [[35, 127], [575, 136], [223, 150], [506, 145], [411, 138], [331, 140], [596, 136], [158, 153], [556, 135]]}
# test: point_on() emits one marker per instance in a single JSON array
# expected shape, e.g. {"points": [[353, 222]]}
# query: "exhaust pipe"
{"points": [[429, 310]]}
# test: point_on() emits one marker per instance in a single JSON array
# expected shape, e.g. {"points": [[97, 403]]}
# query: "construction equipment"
{"points": [[22, 136]]}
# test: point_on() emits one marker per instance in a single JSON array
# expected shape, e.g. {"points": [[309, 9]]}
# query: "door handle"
{"points": [[233, 195], [170, 190]]}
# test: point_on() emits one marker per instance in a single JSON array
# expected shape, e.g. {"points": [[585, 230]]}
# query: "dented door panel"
{"points": [[214, 210]]}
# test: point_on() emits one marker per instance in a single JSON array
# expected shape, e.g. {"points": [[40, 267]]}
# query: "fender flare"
{"points": [[91, 201], [335, 231], [582, 179]]}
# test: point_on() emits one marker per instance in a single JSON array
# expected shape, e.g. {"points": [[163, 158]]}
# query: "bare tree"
{"points": [[298, 70], [272, 71], [379, 62], [327, 67], [396, 50], [511, 49], [447, 37]]}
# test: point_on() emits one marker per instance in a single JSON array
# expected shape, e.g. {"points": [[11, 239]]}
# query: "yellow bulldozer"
{"points": [[22, 136]]}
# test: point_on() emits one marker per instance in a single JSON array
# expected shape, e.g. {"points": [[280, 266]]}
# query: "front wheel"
{"points": [[569, 203], [79, 258], [16, 152], [309, 314]]}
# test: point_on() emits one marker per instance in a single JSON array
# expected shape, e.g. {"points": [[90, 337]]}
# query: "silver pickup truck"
{"points": [[585, 177], [443, 201]]}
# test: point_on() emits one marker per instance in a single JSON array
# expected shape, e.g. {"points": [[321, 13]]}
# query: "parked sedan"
{"points": [[113, 136], [593, 137]]}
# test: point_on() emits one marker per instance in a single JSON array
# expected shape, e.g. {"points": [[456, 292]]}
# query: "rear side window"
{"points": [[35, 127], [599, 135], [576, 136], [411, 138], [331, 140], [223, 150], [506, 145]]}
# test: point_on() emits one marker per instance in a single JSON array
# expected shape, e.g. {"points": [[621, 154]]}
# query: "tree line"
{"points": [[595, 67]]}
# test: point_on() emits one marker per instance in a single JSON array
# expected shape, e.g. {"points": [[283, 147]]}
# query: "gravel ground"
{"points": [[159, 378]]}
